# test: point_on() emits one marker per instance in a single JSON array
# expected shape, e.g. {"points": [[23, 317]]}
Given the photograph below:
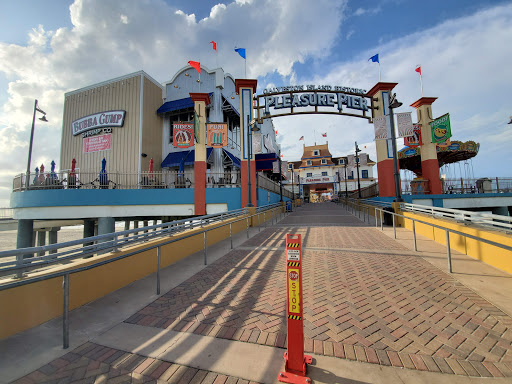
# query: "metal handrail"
{"points": [[414, 221], [105, 242], [65, 274], [479, 218]]}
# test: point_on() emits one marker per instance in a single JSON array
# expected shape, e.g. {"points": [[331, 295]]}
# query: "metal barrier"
{"points": [[65, 274], [89, 246], [478, 218], [414, 221]]}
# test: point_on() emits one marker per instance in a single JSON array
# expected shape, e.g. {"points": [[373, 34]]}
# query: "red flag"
{"points": [[418, 69], [214, 45], [324, 134], [301, 138], [196, 65]]}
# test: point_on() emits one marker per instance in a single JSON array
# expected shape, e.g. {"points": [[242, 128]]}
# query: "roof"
{"points": [[175, 105]]}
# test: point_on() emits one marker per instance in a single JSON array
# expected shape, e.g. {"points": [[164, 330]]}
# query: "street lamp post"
{"points": [[357, 168], [394, 103], [36, 108]]}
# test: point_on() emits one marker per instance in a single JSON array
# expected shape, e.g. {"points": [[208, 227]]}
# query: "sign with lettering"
{"points": [[217, 135], [441, 129], [183, 135], [97, 143], [98, 120], [318, 179]]}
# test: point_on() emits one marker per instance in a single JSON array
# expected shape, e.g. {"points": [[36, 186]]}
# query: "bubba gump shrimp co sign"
{"points": [[98, 120]]}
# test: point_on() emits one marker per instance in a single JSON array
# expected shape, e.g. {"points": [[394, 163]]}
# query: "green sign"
{"points": [[441, 129]]}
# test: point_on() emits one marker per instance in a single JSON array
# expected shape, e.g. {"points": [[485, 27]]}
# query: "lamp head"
{"points": [[510, 122], [393, 102], [43, 119]]}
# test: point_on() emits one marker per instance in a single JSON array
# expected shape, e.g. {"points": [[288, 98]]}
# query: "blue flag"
{"points": [[241, 51], [375, 58]]}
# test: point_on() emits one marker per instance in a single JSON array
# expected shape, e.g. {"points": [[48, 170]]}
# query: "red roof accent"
{"points": [[246, 83], [200, 97], [423, 101], [380, 86]]}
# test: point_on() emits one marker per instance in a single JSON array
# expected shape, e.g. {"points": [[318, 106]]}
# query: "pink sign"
{"points": [[97, 143]]}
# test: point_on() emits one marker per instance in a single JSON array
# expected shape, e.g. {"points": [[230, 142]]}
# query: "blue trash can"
{"points": [[289, 206]]}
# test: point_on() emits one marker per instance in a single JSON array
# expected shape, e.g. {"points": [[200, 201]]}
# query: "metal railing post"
{"points": [[247, 227], [414, 235], [265, 219], [394, 227], [65, 312], [231, 234], [259, 227], [449, 251], [115, 249], [376, 220], [381, 220], [158, 270], [205, 259]]}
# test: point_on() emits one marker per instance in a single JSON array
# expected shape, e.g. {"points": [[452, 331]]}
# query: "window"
{"points": [[310, 174], [324, 161], [290, 166], [316, 153], [364, 173], [351, 175], [308, 162], [341, 162], [324, 173]]}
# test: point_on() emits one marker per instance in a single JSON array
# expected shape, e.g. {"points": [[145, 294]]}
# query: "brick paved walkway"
{"points": [[93, 363], [366, 298]]}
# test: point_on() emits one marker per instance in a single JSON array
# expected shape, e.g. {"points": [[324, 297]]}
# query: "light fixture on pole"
{"points": [[251, 127], [357, 168], [394, 103], [43, 118], [346, 184]]}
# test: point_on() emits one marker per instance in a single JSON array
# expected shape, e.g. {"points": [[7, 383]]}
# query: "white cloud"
{"points": [[364, 11], [114, 38], [464, 64]]}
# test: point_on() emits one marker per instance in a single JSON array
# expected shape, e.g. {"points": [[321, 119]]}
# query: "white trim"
{"points": [[203, 68], [129, 76], [94, 211]]}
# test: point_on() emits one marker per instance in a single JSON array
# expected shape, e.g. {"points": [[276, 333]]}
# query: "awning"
{"points": [[176, 105], [182, 158], [234, 159], [264, 161]]}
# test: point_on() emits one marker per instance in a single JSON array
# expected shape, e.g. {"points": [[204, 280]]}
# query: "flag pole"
{"points": [[421, 84], [379, 71], [245, 60]]}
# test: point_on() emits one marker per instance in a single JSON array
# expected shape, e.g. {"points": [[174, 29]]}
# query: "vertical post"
{"points": [[461, 185], [65, 312], [376, 219], [205, 259], [414, 234], [394, 227], [231, 234], [497, 185], [265, 219], [449, 251], [247, 227], [158, 270], [259, 227], [295, 360]]}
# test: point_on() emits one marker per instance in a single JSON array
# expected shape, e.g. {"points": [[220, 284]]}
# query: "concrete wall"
{"points": [[495, 256], [33, 304]]}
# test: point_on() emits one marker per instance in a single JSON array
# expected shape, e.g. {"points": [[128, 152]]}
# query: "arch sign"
{"points": [[313, 99]]}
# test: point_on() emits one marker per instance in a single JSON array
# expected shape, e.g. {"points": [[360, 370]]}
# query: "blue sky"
{"points": [[49, 48]]}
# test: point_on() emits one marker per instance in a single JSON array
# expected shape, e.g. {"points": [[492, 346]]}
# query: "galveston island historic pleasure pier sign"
{"points": [[313, 99]]}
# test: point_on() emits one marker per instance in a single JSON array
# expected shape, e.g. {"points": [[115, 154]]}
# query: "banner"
{"points": [[404, 123], [267, 141], [351, 161], [441, 129], [217, 135], [183, 135], [275, 166], [414, 140], [97, 143], [381, 130], [256, 143]]}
